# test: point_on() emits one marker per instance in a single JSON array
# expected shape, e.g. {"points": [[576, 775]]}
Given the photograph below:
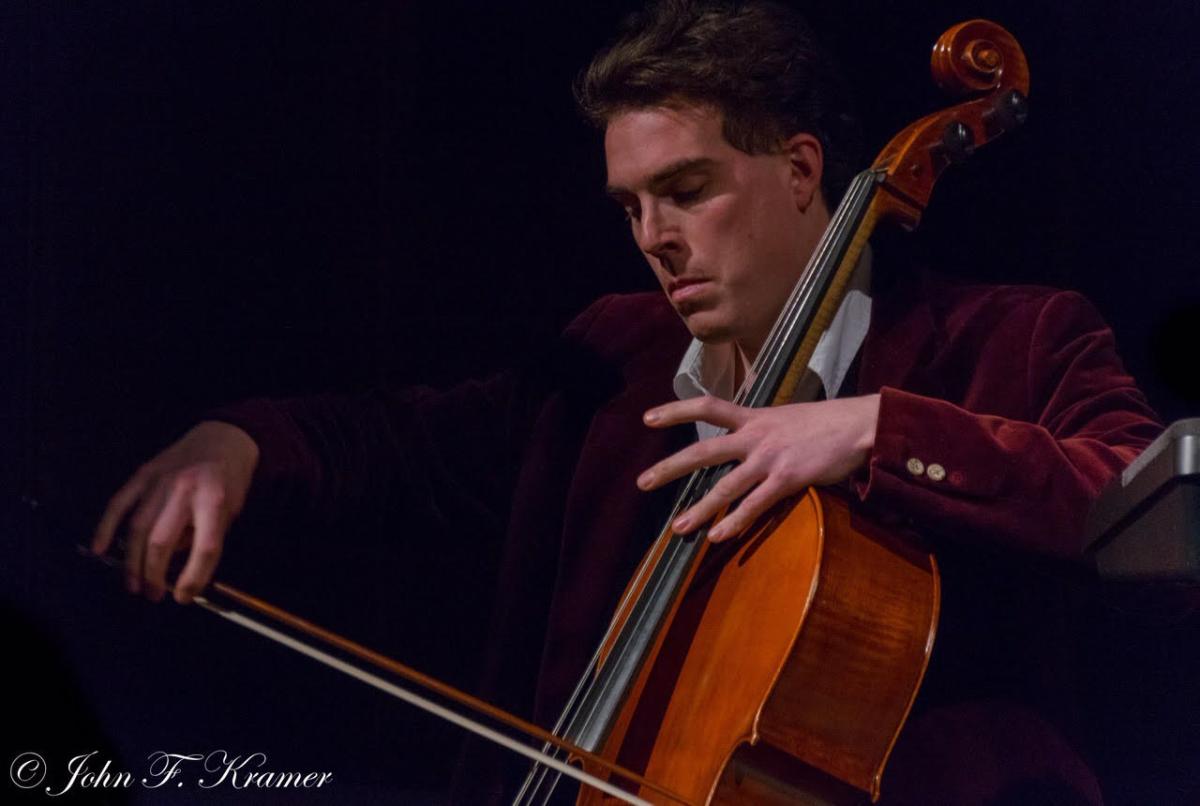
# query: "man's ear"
{"points": [[806, 163]]}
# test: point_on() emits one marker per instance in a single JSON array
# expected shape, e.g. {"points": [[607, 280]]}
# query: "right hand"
{"points": [[185, 496]]}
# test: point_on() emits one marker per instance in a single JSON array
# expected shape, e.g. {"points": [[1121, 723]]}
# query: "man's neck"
{"points": [[741, 365]]}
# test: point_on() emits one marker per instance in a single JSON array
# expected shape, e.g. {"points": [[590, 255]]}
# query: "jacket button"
{"points": [[915, 466], [936, 472]]}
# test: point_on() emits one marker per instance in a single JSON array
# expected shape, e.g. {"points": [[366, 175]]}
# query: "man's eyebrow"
{"points": [[672, 171]]}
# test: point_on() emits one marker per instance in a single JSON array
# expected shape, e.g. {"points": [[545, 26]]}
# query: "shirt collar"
{"points": [[706, 369]]}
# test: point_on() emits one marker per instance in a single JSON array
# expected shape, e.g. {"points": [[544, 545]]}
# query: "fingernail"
{"points": [[645, 480], [716, 534], [682, 524], [652, 416]]}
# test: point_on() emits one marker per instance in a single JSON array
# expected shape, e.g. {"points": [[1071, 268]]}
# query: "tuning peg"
{"points": [[958, 142], [1010, 111]]}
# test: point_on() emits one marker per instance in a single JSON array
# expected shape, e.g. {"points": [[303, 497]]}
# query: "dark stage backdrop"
{"points": [[208, 201]]}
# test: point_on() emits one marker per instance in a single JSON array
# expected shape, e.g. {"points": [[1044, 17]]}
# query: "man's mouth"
{"points": [[683, 289]]}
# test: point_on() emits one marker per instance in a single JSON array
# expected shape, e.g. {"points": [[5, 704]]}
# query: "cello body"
{"points": [[823, 621]]}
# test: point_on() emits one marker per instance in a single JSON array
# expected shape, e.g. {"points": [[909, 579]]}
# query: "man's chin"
{"points": [[707, 327]]}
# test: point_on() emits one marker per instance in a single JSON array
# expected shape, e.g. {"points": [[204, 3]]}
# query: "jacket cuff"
{"points": [[925, 446]]}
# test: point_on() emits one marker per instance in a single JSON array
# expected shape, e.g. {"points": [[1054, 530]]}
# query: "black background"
{"points": [[208, 201]]}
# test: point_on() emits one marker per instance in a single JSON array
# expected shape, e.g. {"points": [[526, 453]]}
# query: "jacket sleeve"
{"points": [[438, 455], [1025, 483], [432, 451]]}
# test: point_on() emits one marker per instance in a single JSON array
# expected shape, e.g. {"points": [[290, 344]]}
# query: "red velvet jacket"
{"points": [[1017, 392]]}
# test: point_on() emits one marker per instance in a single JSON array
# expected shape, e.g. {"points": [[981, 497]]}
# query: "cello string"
{"points": [[819, 267], [856, 203], [587, 679]]}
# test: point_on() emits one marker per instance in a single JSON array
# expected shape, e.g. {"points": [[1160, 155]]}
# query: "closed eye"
{"points": [[686, 197]]}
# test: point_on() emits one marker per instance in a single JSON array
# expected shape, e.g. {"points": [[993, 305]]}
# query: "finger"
{"points": [[135, 550], [208, 535], [729, 489], [704, 453], [140, 524], [166, 533], [709, 409], [118, 505], [751, 509]]}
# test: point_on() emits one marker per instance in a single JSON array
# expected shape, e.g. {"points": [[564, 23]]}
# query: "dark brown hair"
{"points": [[757, 62]]}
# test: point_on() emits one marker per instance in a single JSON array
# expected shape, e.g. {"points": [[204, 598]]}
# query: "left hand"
{"points": [[781, 450]]}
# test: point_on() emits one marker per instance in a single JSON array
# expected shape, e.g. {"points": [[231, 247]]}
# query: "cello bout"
{"points": [[789, 668]]}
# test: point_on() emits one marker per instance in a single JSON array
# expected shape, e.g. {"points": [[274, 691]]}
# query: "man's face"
{"points": [[726, 233]]}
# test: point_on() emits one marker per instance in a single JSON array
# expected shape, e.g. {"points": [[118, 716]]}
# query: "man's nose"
{"points": [[657, 236]]}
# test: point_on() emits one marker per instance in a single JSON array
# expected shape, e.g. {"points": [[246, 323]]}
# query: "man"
{"points": [[988, 417]]}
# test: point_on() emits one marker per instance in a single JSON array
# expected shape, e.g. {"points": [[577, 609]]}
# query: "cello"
{"points": [[780, 667]]}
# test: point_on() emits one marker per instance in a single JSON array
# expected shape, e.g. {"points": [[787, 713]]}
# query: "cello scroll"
{"points": [[977, 59]]}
